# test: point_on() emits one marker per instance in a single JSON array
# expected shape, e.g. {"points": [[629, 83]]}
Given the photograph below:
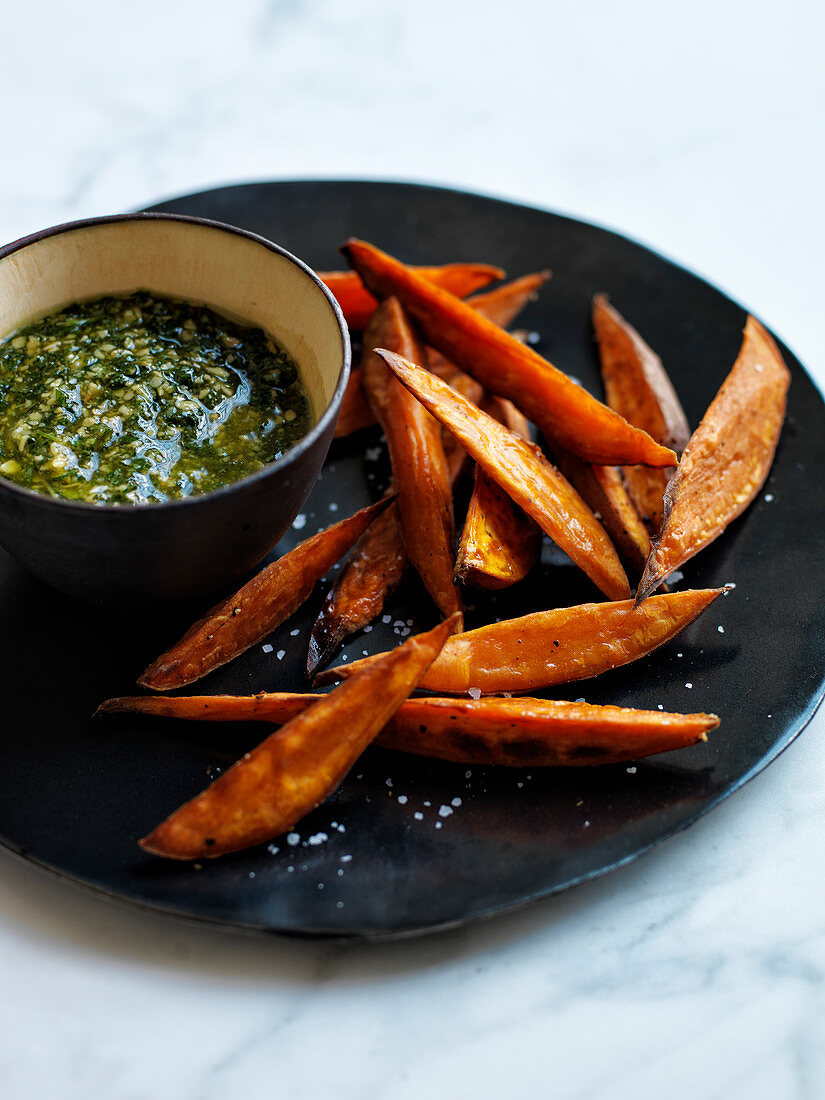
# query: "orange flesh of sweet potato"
{"points": [[727, 459], [419, 467], [637, 386], [300, 765], [258, 608], [358, 305], [503, 732], [500, 543], [603, 489], [374, 569], [555, 647], [562, 409], [524, 473]]}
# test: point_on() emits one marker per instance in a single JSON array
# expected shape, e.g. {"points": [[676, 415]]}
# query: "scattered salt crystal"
{"points": [[367, 629], [455, 801], [318, 838], [688, 684], [580, 699], [388, 781], [587, 825], [292, 839], [267, 648], [340, 828], [320, 885], [519, 784], [402, 798], [474, 693], [365, 652], [346, 859], [273, 849], [631, 770], [468, 774], [340, 872], [438, 824], [281, 654], [372, 453], [659, 705], [676, 576], [299, 522], [769, 497], [405, 632], [418, 815], [445, 811], [721, 629], [398, 622], [339, 905], [294, 633], [428, 803], [251, 874], [333, 507], [680, 654], [758, 367], [290, 869], [386, 618]]}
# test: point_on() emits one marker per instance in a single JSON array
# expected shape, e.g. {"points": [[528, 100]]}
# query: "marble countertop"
{"points": [[696, 972]]}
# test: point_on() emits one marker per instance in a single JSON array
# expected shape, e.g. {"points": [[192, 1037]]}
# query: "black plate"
{"points": [[408, 845]]}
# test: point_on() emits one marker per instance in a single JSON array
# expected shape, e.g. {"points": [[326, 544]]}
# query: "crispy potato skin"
{"points": [[563, 410], [524, 473], [727, 459], [372, 572], [555, 647], [500, 732], [637, 386], [420, 473], [299, 766], [263, 603], [358, 305]]}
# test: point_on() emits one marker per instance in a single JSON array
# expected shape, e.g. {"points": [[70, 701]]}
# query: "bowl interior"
{"points": [[239, 276]]}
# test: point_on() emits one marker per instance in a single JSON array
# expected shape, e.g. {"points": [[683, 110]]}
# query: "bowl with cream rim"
{"points": [[169, 387]]}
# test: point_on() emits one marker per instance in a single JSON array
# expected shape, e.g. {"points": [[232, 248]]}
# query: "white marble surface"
{"points": [[696, 972]]}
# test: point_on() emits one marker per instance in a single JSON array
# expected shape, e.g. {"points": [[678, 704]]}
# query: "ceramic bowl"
{"points": [[139, 555]]}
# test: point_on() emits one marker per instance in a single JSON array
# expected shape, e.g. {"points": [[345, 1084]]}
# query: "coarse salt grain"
{"points": [[455, 801], [688, 684], [721, 629], [281, 654], [294, 633], [318, 838], [418, 815], [402, 799], [292, 839], [267, 648], [445, 811], [333, 507], [631, 770], [474, 693], [769, 497], [299, 522], [346, 859]]}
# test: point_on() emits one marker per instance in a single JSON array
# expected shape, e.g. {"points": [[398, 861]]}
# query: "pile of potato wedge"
{"points": [[622, 487]]}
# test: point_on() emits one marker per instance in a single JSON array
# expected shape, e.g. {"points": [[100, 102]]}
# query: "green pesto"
{"points": [[139, 399]]}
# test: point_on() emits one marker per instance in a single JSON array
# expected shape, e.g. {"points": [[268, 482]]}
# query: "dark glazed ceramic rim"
{"points": [[294, 453]]}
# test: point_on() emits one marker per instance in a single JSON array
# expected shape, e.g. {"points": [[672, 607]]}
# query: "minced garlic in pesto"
{"points": [[138, 399]]}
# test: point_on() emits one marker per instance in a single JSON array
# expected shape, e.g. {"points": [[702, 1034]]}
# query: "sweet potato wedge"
{"points": [[524, 473], [372, 572], [499, 542], [637, 386], [554, 647], [420, 474], [603, 489], [524, 732], [357, 304], [355, 409], [727, 459], [261, 605], [300, 765], [500, 305], [502, 732], [563, 410]]}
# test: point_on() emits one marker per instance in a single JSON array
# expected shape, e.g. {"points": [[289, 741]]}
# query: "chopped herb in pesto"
{"points": [[138, 399]]}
